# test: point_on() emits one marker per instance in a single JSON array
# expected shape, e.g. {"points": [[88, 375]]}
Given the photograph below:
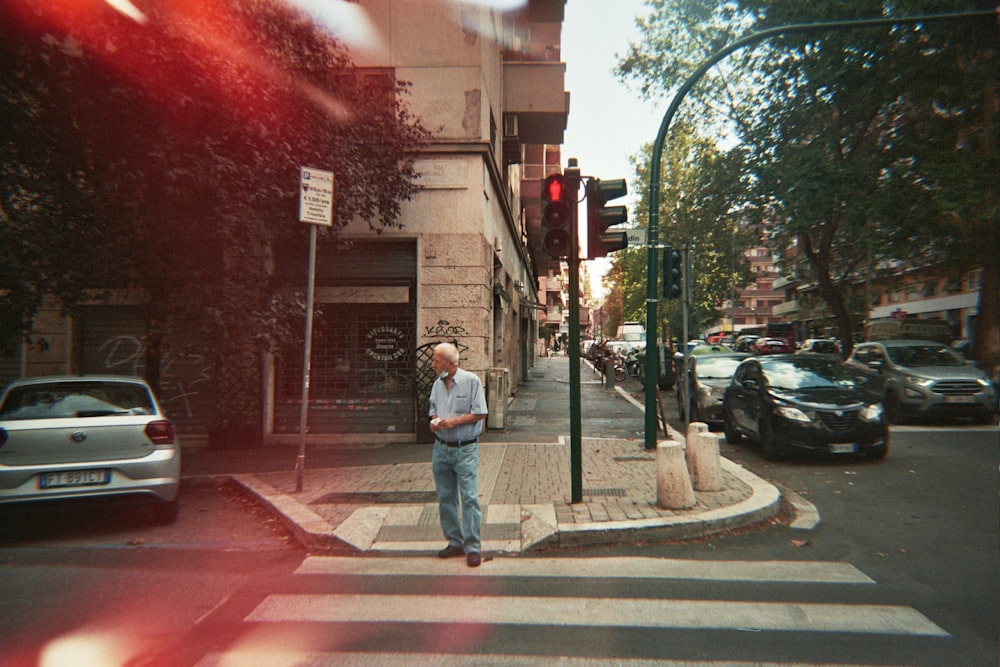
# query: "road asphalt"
{"points": [[366, 497]]}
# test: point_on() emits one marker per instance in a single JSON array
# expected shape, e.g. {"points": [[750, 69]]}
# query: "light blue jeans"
{"points": [[456, 478]]}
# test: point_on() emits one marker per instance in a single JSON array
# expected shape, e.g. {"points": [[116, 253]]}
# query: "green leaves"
{"points": [[865, 147]]}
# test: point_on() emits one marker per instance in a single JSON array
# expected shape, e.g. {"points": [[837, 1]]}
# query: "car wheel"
{"points": [[733, 436], [879, 453], [986, 417], [769, 447], [893, 408], [165, 513]]}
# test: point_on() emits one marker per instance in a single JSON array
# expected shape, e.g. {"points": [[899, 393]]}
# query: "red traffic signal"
{"points": [[556, 215]]}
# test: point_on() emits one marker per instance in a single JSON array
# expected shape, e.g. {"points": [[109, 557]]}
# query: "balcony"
{"points": [[535, 92], [786, 309]]}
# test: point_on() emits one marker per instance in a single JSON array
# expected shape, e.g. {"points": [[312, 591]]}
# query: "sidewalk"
{"points": [[382, 499]]}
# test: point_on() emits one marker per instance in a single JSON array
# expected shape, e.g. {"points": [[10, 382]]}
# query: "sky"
{"points": [[608, 122]]}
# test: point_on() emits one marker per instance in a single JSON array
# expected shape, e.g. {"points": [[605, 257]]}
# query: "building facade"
{"points": [[464, 265]]}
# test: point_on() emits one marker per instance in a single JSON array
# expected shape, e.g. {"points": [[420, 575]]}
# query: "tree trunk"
{"points": [[986, 348]]}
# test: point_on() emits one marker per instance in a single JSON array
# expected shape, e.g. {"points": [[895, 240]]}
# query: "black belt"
{"points": [[459, 443]]}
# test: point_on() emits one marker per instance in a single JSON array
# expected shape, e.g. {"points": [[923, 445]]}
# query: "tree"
{"points": [[195, 121], [826, 132], [700, 206]]}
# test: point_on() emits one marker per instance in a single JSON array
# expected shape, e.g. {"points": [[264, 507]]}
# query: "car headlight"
{"points": [[919, 381], [794, 414], [872, 413]]}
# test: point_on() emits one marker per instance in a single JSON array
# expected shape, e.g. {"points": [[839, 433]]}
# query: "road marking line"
{"points": [[274, 658], [595, 612], [600, 568]]}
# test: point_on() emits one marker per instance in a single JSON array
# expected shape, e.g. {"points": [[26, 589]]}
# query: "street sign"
{"points": [[636, 237], [316, 196]]}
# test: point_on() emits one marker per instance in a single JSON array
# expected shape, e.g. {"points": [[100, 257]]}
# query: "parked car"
{"points": [[771, 346], [743, 343], [802, 402], [708, 377], [923, 378], [820, 346], [67, 437], [711, 348]]}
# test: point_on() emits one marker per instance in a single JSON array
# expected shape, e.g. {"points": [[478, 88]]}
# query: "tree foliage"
{"points": [[867, 148], [164, 153], [701, 205]]}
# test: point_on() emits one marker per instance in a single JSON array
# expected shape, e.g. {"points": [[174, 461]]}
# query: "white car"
{"points": [[64, 437]]}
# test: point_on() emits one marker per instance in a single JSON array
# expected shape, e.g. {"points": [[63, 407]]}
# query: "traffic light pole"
{"points": [[572, 174], [657, 154]]}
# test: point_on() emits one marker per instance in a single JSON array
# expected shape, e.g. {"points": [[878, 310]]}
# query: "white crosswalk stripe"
{"points": [[629, 613], [593, 612], [630, 567]]}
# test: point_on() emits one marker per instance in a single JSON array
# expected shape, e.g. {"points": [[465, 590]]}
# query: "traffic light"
{"points": [[599, 217], [671, 273], [556, 215]]}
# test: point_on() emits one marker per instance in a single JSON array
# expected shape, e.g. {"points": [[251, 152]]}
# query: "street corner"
{"points": [[310, 529]]}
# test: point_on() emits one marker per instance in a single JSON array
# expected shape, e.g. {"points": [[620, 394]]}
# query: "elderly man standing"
{"points": [[457, 411]]}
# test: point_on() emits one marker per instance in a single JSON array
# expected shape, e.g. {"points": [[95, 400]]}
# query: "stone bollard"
{"points": [[673, 484], [694, 428], [609, 373], [703, 461]]}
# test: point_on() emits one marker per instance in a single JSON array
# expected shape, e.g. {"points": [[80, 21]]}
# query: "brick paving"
{"points": [[524, 469]]}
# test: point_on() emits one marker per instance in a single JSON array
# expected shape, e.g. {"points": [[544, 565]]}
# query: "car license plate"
{"points": [[51, 480], [958, 399], [849, 448]]}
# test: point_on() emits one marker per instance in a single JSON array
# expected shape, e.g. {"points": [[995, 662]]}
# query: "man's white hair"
{"points": [[450, 352]]}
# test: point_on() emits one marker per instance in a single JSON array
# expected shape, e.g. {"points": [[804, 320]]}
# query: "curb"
{"points": [[539, 530], [764, 502]]}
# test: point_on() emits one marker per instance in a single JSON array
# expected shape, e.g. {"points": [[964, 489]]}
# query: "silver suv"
{"points": [[922, 378]]}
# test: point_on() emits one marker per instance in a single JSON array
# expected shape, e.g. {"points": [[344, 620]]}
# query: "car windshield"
{"points": [[924, 355], [717, 367], [75, 399], [807, 373]]}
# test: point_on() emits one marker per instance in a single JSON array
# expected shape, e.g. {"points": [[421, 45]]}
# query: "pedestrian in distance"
{"points": [[457, 411]]}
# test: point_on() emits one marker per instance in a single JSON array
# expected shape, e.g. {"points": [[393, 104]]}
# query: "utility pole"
{"points": [[572, 175]]}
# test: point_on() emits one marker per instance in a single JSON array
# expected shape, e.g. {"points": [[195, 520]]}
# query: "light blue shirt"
{"points": [[466, 397]]}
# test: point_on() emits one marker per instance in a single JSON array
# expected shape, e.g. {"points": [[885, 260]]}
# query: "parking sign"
{"points": [[316, 196]]}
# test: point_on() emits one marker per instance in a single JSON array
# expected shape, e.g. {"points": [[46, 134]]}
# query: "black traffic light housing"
{"points": [[599, 217], [671, 273], [557, 215]]}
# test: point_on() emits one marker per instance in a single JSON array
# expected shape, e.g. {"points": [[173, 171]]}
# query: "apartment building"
{"points": [[464, 266]]}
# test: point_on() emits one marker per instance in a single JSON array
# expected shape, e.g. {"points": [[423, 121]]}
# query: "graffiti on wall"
{"points": [[181, 373], [445, 329]]}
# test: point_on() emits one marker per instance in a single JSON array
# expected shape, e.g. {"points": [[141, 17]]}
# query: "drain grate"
{"points": [[630, 459], [604, 492], [377, 498]]}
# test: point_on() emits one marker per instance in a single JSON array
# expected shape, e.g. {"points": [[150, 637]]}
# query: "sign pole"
{"points": [[315, 208], [300, 461]]}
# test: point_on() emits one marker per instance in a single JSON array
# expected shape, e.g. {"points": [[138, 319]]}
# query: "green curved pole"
{"points": [[652, 356]]}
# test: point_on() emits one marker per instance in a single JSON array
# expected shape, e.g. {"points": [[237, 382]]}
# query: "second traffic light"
{"points": [[556, 215], [671, 273], [599, 217]]}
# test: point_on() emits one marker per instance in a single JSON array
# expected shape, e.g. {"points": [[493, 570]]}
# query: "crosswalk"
{"points": [[628, 611]]}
